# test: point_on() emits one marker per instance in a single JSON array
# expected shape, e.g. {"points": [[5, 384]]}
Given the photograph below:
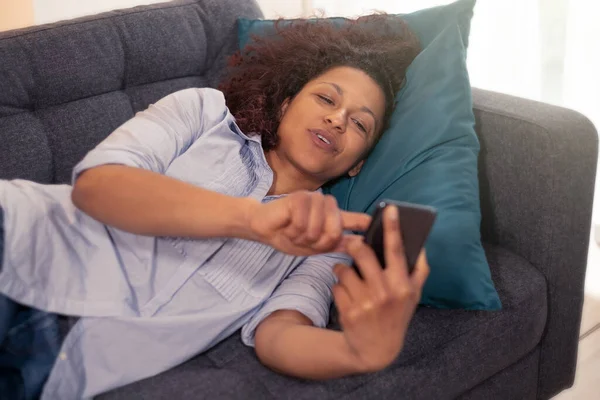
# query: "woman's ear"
{"points": [[356, 169], [284, 107]]}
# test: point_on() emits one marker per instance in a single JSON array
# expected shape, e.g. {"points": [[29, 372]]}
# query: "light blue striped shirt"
{"points": [[148, 303]]}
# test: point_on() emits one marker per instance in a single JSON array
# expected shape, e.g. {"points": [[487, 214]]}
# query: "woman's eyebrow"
{"points": [[336, 87], [341, 93]]}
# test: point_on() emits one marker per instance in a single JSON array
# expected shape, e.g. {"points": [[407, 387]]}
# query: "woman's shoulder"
{"points": [[201, 98], [208, 103], [204, 105]]}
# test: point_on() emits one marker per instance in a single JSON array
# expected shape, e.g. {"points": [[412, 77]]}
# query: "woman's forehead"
{"points": [[356, 84]]}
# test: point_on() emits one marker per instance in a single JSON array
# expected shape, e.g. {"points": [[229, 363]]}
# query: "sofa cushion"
{"points": [[23, 135], [142, 95], [447, 352], [65, 86], [85, 122], [196, 379]]}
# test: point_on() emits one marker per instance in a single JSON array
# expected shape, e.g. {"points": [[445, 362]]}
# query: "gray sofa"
{"points": [[66, 86]]}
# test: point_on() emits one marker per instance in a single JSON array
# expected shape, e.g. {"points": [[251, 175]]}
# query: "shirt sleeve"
{"points": [[307, 290], [155, 137]]}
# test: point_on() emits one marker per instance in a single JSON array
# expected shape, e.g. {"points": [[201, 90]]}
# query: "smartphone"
{"points": [[416, 222]]}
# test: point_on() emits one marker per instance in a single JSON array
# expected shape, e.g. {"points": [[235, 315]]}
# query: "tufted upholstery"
{"points": [[64, 87]]}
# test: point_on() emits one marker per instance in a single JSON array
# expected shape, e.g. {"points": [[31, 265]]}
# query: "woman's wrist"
{"points": [[362, 365], [241, 217]]}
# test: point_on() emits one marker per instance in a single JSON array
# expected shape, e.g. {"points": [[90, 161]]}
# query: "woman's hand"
{"points": [[375, 312], [304, 223]]}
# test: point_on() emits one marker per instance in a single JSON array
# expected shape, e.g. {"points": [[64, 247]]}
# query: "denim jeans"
{"points": [[29, 344]]}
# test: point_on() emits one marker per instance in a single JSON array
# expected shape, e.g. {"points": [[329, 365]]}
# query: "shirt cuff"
{"points": [[98, 157], [306, 306]]}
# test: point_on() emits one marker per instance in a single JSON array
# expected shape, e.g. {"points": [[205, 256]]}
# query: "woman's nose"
{"points": [[337, 121]]}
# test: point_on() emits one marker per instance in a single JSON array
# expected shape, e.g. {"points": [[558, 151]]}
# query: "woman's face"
{"points": [[330, 124]]}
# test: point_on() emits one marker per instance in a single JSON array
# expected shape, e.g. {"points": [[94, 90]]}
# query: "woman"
{"points": [[203, 215]]}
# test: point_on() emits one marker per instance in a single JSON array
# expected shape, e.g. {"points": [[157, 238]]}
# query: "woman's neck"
{"points": [[286, 177]]}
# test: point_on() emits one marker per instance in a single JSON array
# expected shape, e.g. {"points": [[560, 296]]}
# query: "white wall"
{"points": [[281, 8], [46, 11]]}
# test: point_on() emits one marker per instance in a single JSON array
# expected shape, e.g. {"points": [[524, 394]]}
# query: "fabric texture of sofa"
{"points": [[65, 86]]}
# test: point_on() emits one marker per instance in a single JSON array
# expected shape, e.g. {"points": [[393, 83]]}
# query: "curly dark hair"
{"points": [[270, 69]]}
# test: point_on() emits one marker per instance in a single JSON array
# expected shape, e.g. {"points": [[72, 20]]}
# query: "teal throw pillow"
{"points": [[429, 156]]}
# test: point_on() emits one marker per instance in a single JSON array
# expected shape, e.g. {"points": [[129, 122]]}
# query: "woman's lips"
{"points": [[316, 138]]}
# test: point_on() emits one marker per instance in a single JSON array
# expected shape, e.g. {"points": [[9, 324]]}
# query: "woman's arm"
{"points": [[374, 315], [288, 343], [148, 203]]}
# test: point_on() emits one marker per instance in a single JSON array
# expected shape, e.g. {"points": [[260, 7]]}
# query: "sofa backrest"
{"points": [[65, 86]]}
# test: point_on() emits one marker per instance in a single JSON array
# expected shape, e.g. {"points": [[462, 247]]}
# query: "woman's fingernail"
{"points": [[393, 213]]}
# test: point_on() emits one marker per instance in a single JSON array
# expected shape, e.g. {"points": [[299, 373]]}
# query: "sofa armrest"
{"points": [[537, 176]]}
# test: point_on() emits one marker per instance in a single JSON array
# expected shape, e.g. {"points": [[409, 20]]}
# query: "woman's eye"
{"points": [[326, 99], [360, 125]]}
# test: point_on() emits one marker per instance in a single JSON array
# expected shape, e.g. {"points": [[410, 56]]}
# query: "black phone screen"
{"points": [[416, 222]]}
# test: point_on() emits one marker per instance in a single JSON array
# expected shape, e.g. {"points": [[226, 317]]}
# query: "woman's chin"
{"points": [[321, 171]]}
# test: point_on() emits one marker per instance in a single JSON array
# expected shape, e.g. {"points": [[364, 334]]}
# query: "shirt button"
{"points": [[63, 356]]}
